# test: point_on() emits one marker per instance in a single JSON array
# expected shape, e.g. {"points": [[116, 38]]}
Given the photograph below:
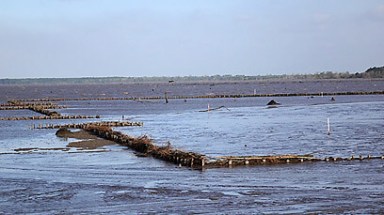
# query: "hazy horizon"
{"points": [[99, 38]]}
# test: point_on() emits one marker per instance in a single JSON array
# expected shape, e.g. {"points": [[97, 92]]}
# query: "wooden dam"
{"points": [[145, 146], [42, 100], [45, 109]]}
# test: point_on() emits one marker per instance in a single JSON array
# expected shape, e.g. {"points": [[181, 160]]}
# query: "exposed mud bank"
{"points": [[81, 134], [91, 144]]}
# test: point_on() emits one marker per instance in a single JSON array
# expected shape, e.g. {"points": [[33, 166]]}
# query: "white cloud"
{"points": [[379, 11], [376, 13]]}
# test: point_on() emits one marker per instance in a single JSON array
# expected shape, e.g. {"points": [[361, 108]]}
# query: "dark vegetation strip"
{"points": [[370, 73]]}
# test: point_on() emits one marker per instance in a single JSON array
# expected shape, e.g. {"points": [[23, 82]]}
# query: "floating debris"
{"points": [[212, 109], [273, 102]]}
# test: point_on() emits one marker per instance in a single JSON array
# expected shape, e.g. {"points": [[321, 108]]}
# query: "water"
{"points": [[44, 181], [258, 130]]}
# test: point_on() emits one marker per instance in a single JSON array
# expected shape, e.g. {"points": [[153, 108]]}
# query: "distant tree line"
{"points": [[374, 72]]}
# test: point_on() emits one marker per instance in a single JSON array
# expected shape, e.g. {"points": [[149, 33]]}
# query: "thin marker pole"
{"points": [[329, 126]]}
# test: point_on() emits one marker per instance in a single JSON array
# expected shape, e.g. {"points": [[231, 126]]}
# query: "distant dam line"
{"points": [[167, 96]]}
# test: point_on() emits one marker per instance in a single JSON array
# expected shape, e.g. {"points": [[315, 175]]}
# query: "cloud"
{"points": [[376, 13], [379, 11]]}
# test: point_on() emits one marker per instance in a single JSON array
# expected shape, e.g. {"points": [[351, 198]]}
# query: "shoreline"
{"points": [[56, 81]]}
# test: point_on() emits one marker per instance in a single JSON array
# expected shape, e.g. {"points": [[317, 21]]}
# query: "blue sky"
{"points": [[96, 38]]}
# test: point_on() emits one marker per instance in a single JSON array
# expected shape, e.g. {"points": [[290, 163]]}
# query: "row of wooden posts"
{"points": [[42, 108], [23, 103], [145, 146], [49, 117], [166, 96], [19, 105], [231, 161], [26, 107], [44, 111], [85, 125]]}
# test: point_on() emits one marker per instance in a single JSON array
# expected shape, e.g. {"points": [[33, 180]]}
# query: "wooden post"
{"points": [[166, 97]]}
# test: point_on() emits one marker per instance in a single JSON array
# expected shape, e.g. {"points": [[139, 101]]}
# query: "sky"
{"points": [[102, 38]]}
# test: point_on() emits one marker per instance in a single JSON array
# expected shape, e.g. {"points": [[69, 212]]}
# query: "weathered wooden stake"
{"points": [[166, 97]]}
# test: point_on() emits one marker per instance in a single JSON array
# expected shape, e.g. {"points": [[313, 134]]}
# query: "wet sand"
{"points": [[119, 182], [91, 144], [89, 141], [79, 134]]}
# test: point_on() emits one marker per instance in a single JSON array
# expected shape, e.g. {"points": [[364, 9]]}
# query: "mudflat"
{"points": [[54, 180]]}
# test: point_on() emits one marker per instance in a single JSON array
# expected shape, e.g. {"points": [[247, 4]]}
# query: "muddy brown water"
{"points": [[112, 179]]}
